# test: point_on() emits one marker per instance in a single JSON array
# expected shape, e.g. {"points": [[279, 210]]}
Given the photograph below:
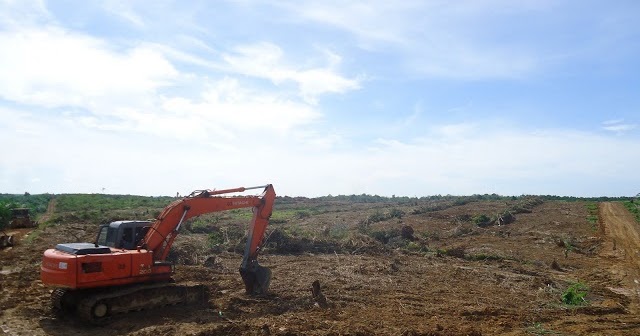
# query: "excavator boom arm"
{"points": [[164, 230]]}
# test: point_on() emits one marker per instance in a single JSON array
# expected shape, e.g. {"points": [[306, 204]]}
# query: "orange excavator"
{"points": [[126, 268]]}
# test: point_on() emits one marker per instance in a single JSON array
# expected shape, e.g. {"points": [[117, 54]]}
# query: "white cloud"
{"points": [[123, 10], [229, 104], [486, 159], [118, 90], [83, 71], [618, 126], [612, 121], [266, 60], [52, 67], [225, 116], [370, 21], [21, 12], [441, 39], [477, 159]]}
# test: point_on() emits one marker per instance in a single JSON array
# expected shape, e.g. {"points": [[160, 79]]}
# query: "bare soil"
{"points": [[501, 280]]}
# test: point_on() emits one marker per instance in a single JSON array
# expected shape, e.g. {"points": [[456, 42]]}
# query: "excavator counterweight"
{"points": [[126, 268]]}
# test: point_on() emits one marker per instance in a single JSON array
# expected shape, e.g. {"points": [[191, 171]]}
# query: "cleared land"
{"points": [[449, 276]]}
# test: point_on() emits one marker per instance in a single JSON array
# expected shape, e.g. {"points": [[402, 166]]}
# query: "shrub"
{"points": [[458, 252], [485, 257], [302, 214], [461, 201], [285, 241], [463, 218], [396, 213], [517, 209], [430, 208], [417, 246], [482, 220], [385, 236], [574, 295], [215, 239], [376, 217], [506, 218]]}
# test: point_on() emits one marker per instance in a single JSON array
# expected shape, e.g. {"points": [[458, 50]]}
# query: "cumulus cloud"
{"points": [[266, 60], [52, 67], [135, 88], [230, 105]]}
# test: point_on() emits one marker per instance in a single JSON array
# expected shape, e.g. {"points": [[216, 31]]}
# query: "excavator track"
{"points": [[63, 300], [98, 307]]}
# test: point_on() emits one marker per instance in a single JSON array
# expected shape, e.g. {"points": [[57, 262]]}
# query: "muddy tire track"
{"points": [[620, 226]]}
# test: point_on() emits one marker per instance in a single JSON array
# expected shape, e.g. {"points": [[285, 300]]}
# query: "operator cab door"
{"points": [[139, 234], [126, 239], [131, 236]]}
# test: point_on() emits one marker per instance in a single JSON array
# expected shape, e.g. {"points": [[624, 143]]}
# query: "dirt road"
{"points": [[51, 208], [621, 227]]}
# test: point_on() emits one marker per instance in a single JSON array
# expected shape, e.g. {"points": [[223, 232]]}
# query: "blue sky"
{"points": [[330, 97]]}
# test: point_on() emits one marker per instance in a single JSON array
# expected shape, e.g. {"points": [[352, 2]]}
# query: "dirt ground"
{"points": [[502, 280]]}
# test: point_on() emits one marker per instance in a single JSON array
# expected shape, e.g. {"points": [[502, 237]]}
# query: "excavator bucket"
{"points": [[256, 280]]}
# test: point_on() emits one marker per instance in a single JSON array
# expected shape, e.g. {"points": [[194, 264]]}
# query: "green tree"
{"points": [[5, 214]]}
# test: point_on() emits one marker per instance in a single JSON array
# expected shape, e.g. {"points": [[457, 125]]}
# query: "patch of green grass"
{"points": [[396, 213], [37, 232], [101, 202], [484, 257], [32, 236], [377, 216], [575, 294], [417, 246], [592, 218], [302, 214], [339, 231], [431, 208], [286, 215], [539, 330], [634, 207], [215, 239]]}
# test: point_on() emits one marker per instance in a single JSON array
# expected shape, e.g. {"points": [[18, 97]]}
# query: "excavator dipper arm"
{"points": [[257, 278]]}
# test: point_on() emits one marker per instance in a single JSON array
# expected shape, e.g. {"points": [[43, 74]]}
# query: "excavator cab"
{"points": [[123, 234]]}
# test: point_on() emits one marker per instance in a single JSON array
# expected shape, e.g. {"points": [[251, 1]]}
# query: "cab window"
{"points": [[127, 238], [107, 236]]}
